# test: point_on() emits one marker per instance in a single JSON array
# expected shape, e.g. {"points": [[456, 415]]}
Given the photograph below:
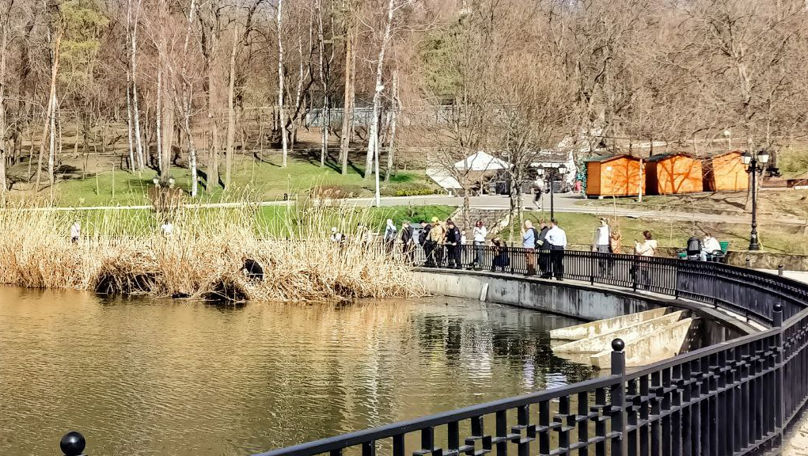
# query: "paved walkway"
{"points": [[563, 203]]}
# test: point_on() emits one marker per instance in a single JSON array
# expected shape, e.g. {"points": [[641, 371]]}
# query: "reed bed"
{"points": [[125, 253]]}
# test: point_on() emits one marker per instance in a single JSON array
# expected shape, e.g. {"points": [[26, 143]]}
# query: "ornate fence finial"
{"points": [[72, 444]]}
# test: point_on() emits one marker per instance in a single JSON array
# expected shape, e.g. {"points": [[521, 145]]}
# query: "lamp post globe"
{"points": [[747, 158], [763, 156]]}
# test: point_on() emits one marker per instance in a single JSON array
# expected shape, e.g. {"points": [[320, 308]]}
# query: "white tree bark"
{"points": [[158, 120], [324, 83], [133, 67], [373, 139], [129, 122], [284, 139], [3, 129], [231, 113], [391, 147]]}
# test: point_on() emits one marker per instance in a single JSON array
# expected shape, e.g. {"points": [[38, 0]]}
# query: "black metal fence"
{"points": [[737, 397]]}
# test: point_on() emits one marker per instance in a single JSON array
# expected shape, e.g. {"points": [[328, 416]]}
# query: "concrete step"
{"points": [[596, 344], [649, 349], [606, 326]]}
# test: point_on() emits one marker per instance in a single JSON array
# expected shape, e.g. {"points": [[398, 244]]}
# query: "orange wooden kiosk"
{"points": [[618, 175], [673, 173], [725, 173]]}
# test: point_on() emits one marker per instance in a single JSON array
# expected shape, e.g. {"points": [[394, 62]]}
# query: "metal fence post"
{"points": [[618, 395], [779, 387], [72, 444], [780, 270]]}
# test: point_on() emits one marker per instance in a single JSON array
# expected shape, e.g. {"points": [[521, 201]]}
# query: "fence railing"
{"points": [[737, 397]]}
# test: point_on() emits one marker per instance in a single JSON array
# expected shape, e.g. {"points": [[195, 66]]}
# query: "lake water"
{"points": [[149, 377]]}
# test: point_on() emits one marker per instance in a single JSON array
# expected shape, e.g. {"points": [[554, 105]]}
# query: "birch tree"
{"points": [[281, 109]]}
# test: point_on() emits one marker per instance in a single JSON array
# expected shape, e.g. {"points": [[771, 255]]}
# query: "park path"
{"points": [[565, 203]]}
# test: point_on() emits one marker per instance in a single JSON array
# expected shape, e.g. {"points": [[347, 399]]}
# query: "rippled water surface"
{"points": [[148, 377]]}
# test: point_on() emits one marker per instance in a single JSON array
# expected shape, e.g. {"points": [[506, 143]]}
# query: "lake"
{"points": [[170, 377]]}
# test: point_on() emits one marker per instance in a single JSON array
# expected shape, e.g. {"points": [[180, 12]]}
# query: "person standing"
{"points": [[437, 234], [75, 232], [390, 233], [501, 259], [479, 234], [601, 244], [407, 242], [646, 248], [426, 243], [453, 244], [557, 238], [529, 244], [544, 250]]}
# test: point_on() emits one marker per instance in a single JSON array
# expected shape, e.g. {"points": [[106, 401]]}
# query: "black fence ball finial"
{"points": [[72, 444], [778, 307], [618, 344]]}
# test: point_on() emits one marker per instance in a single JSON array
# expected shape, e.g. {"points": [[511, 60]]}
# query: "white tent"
{"points": [[443, 178], [481, 162]]}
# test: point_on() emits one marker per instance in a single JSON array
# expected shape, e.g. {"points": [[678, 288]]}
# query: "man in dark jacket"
{"points": [[544, 250], [453, 244], [426, 244], [407, 242]]}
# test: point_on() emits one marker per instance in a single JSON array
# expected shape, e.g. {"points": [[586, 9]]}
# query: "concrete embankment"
{"points": [[569, 299]]}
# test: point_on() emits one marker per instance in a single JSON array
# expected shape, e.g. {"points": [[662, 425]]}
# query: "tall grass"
{"points": [[202, 259]]}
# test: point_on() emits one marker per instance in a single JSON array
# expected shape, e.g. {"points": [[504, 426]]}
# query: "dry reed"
{"points": [[122, 253]]}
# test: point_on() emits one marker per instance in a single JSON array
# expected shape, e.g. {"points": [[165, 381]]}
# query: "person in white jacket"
{"points": [[479, 233]]}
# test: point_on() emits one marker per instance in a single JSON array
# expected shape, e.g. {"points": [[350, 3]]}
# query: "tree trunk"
{"points": [[284, 139], [231, 114], [129, 123], [326, 116], [347, 112], [133, 67], [50, 122], [191, 147], [158, 112], [52, 142], [391, 147], [373, 139], [3, 48]]}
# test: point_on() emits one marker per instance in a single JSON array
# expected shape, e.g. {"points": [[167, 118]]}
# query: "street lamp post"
{"points": [[755, 164], [550, 176]]}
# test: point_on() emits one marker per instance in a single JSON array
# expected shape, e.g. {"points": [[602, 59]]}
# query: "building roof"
{"points": [[660, 157], [481, 161], [443, 179], [610, 158]]}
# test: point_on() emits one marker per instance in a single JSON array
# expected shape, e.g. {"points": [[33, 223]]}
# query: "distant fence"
{"points": [[733, 398]]}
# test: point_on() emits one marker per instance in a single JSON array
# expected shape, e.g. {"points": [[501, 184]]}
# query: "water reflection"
{"points": [[167, 377]]}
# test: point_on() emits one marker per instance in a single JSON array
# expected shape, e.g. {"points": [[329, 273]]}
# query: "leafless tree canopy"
{"points": [[190, 83]]}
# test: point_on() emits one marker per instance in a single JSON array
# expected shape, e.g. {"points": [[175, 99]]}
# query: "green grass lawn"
{"points": [[275, 220], [580, 230], [251, 180]]}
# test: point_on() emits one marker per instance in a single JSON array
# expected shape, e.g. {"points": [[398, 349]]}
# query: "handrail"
{"points": [[438, 419], [735, 397]]}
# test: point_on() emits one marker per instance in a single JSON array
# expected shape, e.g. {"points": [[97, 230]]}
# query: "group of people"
{"points": [[166, 229], [550, 241]]}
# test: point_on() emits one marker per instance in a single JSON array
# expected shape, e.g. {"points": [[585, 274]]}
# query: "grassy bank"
{"points": [[774, 238], [262, 180], [126, 255]]}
